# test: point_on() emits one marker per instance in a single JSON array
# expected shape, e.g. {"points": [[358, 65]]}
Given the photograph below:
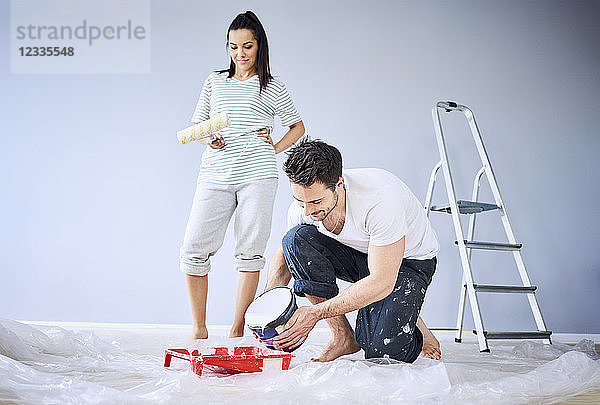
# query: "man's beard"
{"points": [[337, 196]]}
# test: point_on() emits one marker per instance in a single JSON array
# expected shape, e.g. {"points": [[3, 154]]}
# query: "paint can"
{"points": [[268, 313]]}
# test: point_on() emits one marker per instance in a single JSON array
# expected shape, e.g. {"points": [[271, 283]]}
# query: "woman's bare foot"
{"points": [[199, 332], [236, 332], [338, 347], [431, 346]]}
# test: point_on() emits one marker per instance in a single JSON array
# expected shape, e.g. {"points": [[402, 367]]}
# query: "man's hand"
{"points": [[298, 327]]}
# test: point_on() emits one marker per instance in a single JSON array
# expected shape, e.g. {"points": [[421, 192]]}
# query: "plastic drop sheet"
{"points": [[53, 365]]}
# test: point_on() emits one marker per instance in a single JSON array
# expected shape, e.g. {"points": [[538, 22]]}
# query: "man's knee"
{"points": [[297, 234], [313, 274], [298, 246]]}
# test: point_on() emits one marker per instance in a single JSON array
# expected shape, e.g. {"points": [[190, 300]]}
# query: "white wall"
{"points": [[96, 190]]}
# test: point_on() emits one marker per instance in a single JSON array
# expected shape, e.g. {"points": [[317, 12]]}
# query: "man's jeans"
{"points": [[386, 328]]}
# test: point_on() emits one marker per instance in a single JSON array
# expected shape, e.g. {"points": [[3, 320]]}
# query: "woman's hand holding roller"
{"points": [[218, 141]]}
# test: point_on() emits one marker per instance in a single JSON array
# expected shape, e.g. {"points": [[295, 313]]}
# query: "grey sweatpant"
{"points": [[213, 206]]}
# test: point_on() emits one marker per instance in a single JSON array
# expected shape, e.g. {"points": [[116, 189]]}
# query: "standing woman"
{"points": [[238, 174]]}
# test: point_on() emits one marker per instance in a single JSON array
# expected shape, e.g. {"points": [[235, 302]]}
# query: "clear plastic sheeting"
{"points": [[52, 365]]}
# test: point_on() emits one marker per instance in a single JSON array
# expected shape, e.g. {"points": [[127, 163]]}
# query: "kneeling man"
{"points": [[366, 227]]}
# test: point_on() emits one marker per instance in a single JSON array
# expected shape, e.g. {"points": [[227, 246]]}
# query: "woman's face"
{"points": [[243, 49]]}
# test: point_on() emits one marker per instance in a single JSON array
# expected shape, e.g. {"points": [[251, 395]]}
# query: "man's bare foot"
{"points": [[199, 332], [431, 346], [338, 347]]}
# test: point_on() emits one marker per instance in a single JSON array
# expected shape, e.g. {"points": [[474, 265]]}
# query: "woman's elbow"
{"points": [[299, 127]]}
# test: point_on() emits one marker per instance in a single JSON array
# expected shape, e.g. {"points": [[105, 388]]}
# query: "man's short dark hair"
{"points": [[311, 161]]}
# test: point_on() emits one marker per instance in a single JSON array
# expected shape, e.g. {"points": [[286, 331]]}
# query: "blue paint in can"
{"points": [[268, 313]]}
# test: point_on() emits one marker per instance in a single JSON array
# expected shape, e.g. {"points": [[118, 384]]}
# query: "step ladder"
{"points": [[467, 245]]}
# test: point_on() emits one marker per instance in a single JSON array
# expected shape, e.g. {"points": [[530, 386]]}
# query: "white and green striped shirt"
{"points": [[245, 156]]}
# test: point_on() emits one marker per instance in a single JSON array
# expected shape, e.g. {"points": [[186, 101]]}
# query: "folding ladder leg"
{"points": [[459, 233], [463, 294], [461, 310], [471, 234], [474, 197], [533, 304], [431, 186]]}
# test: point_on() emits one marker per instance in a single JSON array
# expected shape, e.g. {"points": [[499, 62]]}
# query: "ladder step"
{"points": [[504, 288], [466, 207], [491, 245], [540, 334]]}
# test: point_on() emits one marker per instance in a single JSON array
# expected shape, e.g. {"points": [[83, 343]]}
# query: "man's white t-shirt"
{"points": [[380, 210]]}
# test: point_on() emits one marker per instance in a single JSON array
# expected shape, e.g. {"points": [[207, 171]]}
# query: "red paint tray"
{"points": [[242, 359]]}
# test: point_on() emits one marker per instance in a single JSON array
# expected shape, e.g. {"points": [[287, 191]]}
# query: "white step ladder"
{"points": [[466, 245]]}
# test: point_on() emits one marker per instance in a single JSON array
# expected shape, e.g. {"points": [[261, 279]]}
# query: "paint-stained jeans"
{"points": [[386, 328]]}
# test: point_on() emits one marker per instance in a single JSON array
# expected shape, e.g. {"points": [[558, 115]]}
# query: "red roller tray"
{"points": [[242, 359]]}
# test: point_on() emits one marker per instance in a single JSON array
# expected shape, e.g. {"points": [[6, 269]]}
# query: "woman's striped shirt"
{"points": [[245, 156]]}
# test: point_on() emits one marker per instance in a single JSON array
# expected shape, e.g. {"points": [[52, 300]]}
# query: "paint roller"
{"points": [[205, 130]]}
